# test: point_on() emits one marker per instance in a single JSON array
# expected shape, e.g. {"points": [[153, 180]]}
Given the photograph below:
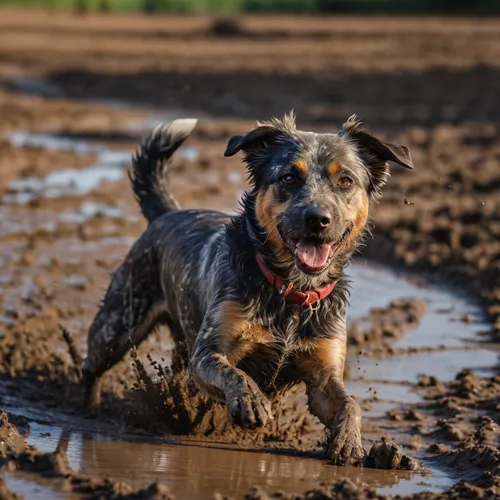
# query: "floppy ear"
{"points": [[374, 153], [254, 138]]}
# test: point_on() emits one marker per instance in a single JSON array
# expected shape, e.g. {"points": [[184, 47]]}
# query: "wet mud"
{"points": [[76, 96]]}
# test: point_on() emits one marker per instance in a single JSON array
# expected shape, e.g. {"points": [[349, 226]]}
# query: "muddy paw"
{"points": [[345, 446], [248, 407]]}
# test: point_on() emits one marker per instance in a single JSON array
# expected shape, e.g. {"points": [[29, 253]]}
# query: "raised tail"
{"points": [[149, 173]]}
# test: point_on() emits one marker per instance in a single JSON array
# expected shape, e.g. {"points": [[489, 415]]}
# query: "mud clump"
{"points": [[347, 490], [107, 489], [475, 437], [384, 455], [472, 461], [408, 416], [383, 325], [11, 440], [343, 490], [47, 464], [469, 396]]}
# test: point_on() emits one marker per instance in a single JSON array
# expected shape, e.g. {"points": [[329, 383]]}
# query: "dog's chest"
{"points": [[266, 351]]}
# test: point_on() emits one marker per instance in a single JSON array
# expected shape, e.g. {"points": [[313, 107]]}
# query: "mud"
{"points": [[385, 324], [76, 95], [55, 465]]}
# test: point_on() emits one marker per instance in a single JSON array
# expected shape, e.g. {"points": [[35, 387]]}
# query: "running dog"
{"points": [[257, 301]]}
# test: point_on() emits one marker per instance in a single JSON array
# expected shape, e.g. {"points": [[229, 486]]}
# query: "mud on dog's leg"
{"points": [[212, 367], [127, 315], [111, 341], [328, 400]]}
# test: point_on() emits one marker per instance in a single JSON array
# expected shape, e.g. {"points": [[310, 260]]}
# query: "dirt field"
{"points": [[76, 96]]}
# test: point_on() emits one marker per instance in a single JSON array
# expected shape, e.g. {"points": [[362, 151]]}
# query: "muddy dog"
{"points": [[255, 302]]}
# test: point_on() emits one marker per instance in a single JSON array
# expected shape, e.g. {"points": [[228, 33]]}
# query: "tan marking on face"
{"points": [[361, 216], [238, 335], [323, 359], [333, 168], [268, 209], [301, 166]]}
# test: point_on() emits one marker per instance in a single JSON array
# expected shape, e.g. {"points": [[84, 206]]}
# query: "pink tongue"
{"points": [[314, 256]]}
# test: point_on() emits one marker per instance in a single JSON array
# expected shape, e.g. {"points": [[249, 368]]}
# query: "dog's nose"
{"points": [[317, 218]]}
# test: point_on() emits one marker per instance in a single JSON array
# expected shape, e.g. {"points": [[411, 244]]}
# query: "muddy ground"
{"points": [[77, 93]]}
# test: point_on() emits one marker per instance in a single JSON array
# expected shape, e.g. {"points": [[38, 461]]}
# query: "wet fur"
{"points": [[195, 271]]}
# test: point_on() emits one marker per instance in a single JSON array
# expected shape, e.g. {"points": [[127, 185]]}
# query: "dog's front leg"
{"points": [[323, 367], [213, 369]]}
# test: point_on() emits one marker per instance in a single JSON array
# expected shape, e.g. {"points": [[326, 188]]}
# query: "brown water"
{"points": [[197, 471]]}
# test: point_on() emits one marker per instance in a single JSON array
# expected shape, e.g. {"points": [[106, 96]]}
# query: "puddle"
{"points": [[376, 285], [199, 472], [110, 166], [88, 210], [70, 182], [195, 470], [454, 343]]}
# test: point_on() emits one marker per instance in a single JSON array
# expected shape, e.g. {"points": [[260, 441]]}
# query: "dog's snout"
{"points": [[317, 218]]}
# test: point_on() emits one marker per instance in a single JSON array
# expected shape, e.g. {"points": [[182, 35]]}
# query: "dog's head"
{"points": [[311, 192]]}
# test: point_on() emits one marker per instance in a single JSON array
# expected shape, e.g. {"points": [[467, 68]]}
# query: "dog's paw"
{"points": [[345, 446], [247, 407]]}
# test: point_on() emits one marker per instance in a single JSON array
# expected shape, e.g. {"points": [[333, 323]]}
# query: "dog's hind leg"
{"points": [[129, 312]]}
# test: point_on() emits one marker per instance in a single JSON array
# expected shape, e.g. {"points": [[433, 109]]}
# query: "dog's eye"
{"points": [[344, 182], [288, 179]]}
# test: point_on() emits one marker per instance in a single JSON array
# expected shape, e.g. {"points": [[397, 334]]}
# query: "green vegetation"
{"points": [[235, 6], [177, 6]]}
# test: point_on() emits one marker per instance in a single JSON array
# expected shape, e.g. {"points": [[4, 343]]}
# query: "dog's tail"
{"points": [[150, 163]]}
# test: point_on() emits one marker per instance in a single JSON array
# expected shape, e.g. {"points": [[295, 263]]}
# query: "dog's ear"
{"points": [[374, 153], [257, 136]]}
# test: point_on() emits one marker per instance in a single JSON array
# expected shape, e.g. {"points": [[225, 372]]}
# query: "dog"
{"points": [[255, 302]]}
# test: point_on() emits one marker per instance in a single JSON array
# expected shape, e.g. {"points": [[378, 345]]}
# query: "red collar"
{"points": [[291, 294]]}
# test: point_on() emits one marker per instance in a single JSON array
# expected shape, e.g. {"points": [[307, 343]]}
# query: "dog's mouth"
{"points": [[314, 254]]}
